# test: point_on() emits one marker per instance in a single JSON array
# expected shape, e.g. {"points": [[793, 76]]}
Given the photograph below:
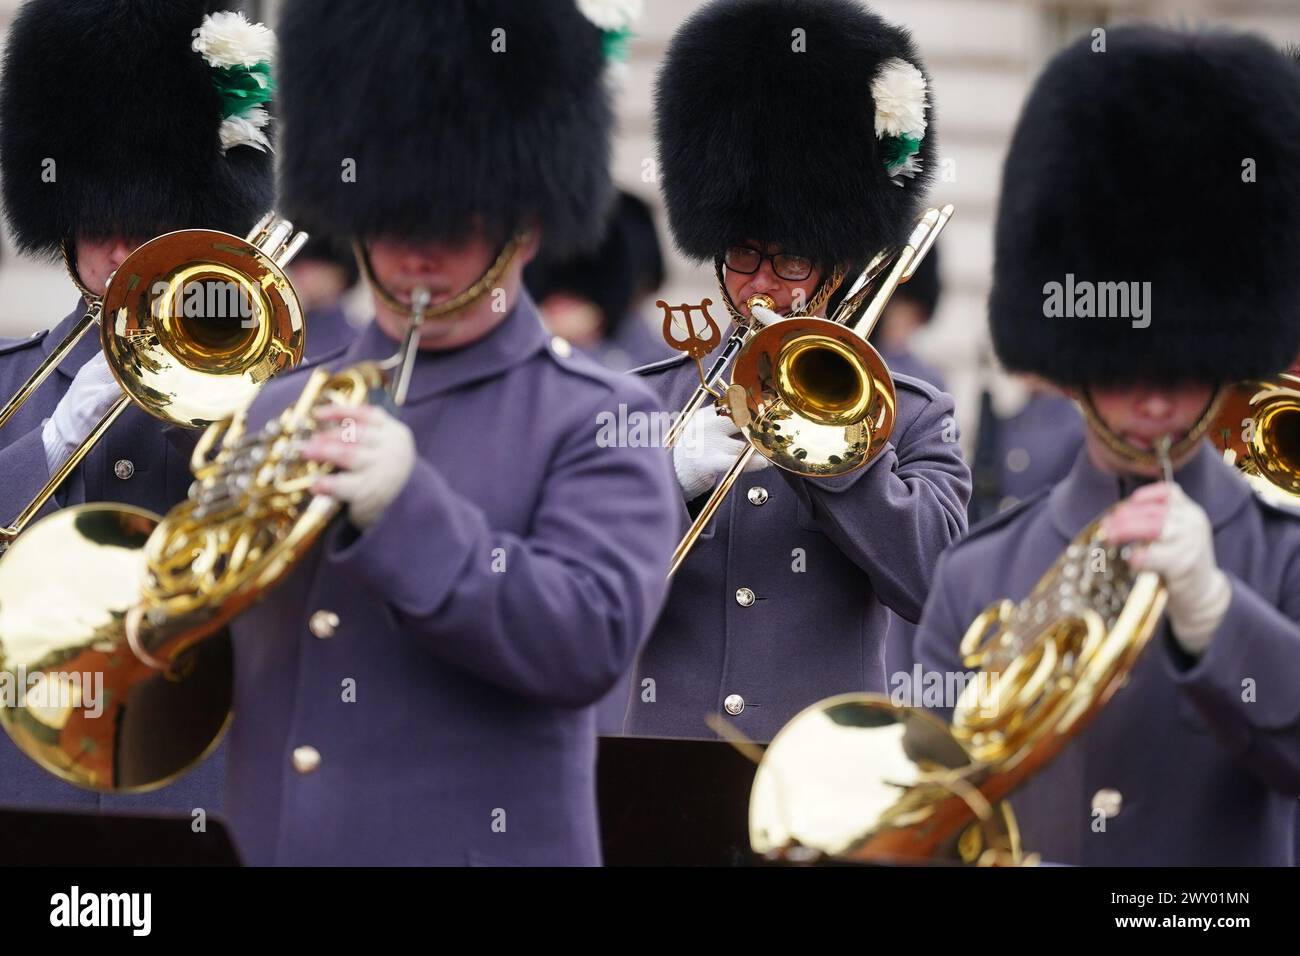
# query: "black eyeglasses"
{"points": [[747, 260]]}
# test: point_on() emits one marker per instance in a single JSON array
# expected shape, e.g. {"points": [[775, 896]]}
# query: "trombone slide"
{"points": [[7, 535], [706, 387], [710, 509]]}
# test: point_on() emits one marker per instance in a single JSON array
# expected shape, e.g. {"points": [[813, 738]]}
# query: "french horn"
{"points": [[859, 778]]}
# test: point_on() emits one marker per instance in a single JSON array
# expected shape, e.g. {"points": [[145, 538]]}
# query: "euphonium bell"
{"points": [[75, 699]]}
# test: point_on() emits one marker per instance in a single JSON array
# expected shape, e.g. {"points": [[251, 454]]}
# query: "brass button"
{"points": [[1017, 459], [744, 597], [734, 704], [124, 468], [323, 624], [305, 759], [1108, 801], [757, 496], [561, 347]]}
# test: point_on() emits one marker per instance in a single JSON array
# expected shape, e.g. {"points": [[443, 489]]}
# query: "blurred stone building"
{"points": [[983, 55]]}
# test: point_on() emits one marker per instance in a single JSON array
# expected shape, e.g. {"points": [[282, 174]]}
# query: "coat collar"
{"points": [[1087, 491], [85, 349], [515, 340]]}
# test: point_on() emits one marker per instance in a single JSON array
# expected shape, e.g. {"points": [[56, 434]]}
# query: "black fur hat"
{"points": [[109, 124], [1172, 158], [766, 116], [449, 113]]}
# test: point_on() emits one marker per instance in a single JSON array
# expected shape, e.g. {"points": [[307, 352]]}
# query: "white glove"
{"points": [[1180, 550], [374, 454], [708, 447], [92, 393], [765, 316]]}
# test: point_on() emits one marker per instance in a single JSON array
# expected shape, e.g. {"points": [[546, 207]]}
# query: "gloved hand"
{"points": [[708, 447], [374, 454], [92, 393], [765, 316], [1178, 543]]}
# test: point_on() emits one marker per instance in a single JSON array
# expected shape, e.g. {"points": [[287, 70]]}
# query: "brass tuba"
{"points": [[862, 779], [811, 394], [1258, 432], [72, 695]]}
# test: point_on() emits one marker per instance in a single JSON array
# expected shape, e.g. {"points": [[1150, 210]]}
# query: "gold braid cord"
{"points": [[485, 284], [1142, 456], [70, 263]]}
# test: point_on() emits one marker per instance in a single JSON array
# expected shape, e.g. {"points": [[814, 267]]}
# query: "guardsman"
{"points": [[421, 689], [1129, 174], [116, 126], [786, 596]]}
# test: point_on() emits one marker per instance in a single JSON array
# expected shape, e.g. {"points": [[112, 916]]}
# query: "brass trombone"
{"points": [[810, 394], [175, 360]]}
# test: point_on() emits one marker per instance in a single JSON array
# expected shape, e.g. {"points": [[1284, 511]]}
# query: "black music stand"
{"points": [[673, 802], [69, 838]]}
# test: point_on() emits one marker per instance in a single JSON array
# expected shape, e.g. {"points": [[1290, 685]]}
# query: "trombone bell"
{"points": [[195, 321], [1258, 432], [812, 395], [1278, 438], [823, 379], [820, 397]]}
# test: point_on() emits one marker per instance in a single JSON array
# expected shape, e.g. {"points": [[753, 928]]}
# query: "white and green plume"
{"points": [[901, 98], [240, 54]]}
